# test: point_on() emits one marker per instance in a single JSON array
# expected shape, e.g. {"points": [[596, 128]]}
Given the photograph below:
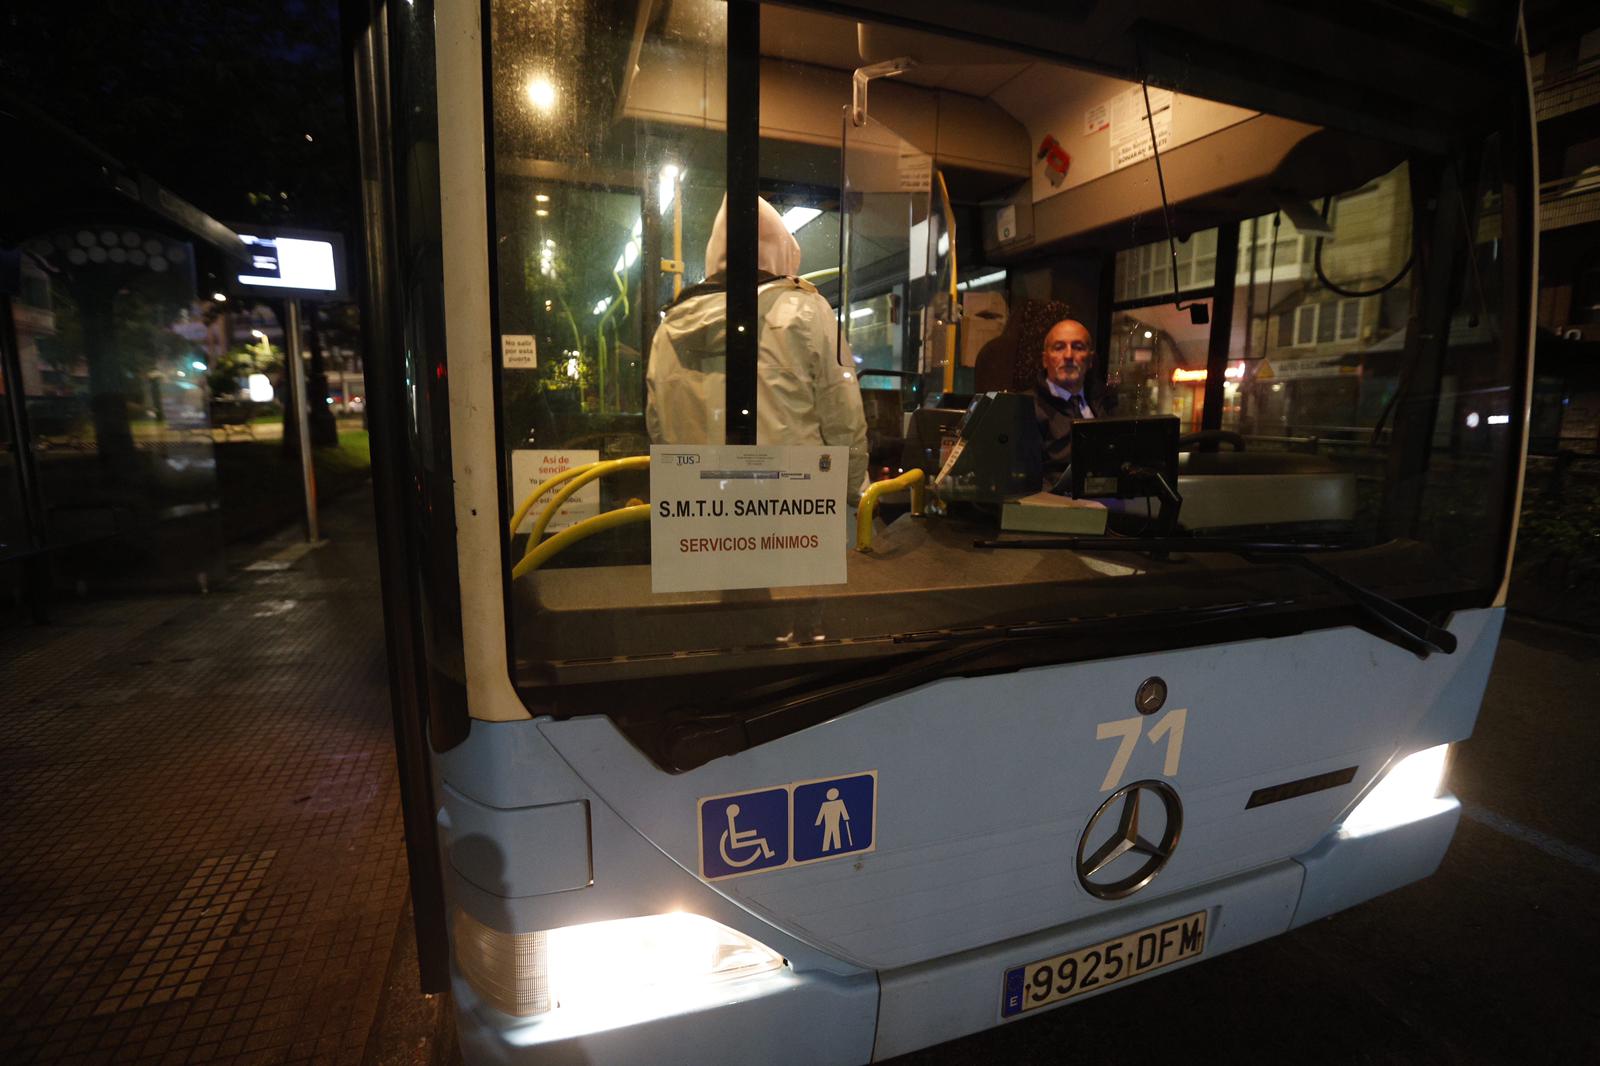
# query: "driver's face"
{"points": [[1068, 354]]}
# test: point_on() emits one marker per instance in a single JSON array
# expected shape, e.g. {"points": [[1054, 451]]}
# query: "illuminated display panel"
{"points": [[301, 264]]}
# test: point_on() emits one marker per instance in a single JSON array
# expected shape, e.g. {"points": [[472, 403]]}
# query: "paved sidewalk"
{"points": [[202, 858]]}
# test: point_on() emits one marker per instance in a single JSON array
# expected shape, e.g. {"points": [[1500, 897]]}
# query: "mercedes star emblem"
{"points": [[1127, 839], [1151, 695]]}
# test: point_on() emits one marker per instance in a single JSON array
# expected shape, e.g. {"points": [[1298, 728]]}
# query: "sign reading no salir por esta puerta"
{"points": [[747, 516]]}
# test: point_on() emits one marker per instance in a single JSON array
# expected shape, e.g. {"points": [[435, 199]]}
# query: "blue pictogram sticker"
{"points": [[744, 832], [834, 817]]}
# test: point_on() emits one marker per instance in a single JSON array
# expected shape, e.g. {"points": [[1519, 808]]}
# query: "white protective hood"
{"points": [[777, 251]]}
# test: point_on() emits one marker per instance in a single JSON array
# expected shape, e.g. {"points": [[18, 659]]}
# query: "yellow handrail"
{"points": [[600, 469], [527, 504], [911, 479], [950, 327], [588, 474], [542, 553]]}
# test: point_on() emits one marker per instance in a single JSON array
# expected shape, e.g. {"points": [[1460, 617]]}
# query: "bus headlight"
{"points": [[1410, 790], [664, 958]]}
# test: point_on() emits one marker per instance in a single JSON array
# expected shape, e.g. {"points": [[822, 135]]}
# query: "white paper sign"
{"points": [[519, 351], [745, 516], [1130, 130], [1096, 119], [532, 467]]}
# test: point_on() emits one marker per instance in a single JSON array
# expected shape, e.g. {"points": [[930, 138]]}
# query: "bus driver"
{"points": [[805, 392], [1064, 392]]}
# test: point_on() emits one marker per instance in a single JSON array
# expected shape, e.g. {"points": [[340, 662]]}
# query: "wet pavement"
{"points": [[203, 860]]}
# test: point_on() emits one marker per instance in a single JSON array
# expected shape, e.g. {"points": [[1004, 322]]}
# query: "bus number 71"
{"points": [[1126, 730]]}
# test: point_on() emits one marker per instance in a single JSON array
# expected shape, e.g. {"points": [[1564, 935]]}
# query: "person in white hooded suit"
{"points": [[806, 388]]}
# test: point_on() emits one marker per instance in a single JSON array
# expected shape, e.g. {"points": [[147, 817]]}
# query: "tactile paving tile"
{"points": [[184, 943], [203, 858]]}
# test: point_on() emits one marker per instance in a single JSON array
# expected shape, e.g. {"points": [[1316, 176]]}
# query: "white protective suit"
{"points": [[805, 393]]}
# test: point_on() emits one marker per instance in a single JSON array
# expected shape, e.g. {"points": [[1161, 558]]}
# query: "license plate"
{"points": [[1039, 984]]}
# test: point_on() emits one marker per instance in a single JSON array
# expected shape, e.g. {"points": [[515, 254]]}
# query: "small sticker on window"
{"points": [[519, 351], [532, 467]]}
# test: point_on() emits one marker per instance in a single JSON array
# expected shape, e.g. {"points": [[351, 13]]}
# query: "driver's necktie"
{"points": [[1075, 406]]}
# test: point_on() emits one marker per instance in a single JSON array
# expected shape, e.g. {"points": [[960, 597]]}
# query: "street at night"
{"points": [[788, 533]]}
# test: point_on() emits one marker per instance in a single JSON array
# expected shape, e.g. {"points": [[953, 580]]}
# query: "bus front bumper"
{"points": [[814, 1017], [775, 1017], [956, 996], [1346, 868]]}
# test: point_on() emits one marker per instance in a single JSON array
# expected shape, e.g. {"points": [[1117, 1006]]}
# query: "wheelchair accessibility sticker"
{"points": [[788, 825]]}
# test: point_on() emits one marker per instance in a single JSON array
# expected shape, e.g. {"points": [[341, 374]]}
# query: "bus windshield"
{"points": [[962, 255]]}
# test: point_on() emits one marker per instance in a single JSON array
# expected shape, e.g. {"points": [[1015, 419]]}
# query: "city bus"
{"points": [[771, 743]]}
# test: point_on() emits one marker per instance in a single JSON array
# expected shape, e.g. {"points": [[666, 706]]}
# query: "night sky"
{"points": [[238, 108]]}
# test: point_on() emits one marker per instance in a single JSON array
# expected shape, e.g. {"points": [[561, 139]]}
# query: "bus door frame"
{"points": [[417, 565]]}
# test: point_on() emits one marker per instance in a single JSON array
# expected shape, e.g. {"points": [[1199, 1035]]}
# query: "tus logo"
{"points": [[682, 458]]}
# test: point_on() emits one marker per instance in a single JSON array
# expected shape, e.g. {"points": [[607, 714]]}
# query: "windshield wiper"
{"points": [[774, 711], [1395, 623], [695, 736], [1100, 623]]}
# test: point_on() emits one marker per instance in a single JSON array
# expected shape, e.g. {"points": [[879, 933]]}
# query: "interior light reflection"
{"points": [[541, 93]]}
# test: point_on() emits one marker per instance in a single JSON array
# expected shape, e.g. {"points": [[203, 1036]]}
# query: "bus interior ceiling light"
{"points": [[797, 217], [1409, 790], [671, 174], [982, 279], [658, 960], [542, 93]]}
